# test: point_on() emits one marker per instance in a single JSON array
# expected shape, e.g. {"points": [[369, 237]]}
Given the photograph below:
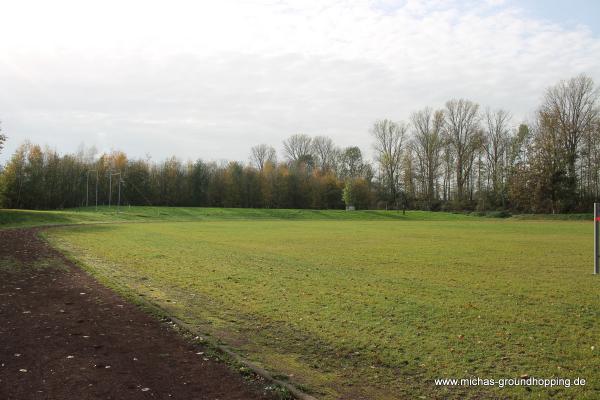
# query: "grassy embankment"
{"points": [[29, 218]]}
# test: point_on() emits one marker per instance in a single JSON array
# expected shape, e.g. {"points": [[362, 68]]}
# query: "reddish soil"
{"points": [[65, 336]]}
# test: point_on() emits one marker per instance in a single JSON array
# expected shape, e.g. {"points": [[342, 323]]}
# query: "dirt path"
{"points": [[64, 336]]}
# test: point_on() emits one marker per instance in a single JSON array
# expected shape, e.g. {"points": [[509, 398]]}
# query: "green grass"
{"points": [[10, 218], [556, 217], [28, 218], [378, 306]]}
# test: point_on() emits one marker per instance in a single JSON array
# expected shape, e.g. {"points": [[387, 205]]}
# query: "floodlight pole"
{"points": [[110, 175], [109, 187], [87, 189], [596, 238], [96, 190], [119, 198]]}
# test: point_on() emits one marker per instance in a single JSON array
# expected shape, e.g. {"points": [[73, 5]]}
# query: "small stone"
{"points": [[145, 389], [22, 370]]}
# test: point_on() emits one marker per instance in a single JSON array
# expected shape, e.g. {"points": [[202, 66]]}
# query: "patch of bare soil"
{"points": [[65, 336]]}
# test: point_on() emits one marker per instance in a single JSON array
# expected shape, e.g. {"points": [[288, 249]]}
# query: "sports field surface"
{"points": [[370, 305]]}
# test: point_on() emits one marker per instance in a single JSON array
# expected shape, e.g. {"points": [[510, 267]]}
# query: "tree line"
{"points": [[457, 157]]}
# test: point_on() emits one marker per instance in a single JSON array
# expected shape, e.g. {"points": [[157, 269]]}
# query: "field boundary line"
{"points": [[157, 311]]}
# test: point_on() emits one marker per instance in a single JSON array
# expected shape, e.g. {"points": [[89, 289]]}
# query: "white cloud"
{"points": [[210, 80]]}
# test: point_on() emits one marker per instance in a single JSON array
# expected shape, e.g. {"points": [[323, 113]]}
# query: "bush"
{"points": [[499, 214]]}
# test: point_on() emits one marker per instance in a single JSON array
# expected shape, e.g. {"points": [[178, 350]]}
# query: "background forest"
{"points": [[458, 157]]}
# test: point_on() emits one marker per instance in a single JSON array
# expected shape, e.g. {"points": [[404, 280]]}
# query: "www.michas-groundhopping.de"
{"points": [[505, 382]]}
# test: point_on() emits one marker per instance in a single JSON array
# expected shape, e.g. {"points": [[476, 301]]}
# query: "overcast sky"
{"points": [[201, 79]]}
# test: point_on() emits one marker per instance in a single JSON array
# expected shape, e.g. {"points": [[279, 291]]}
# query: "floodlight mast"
{"points": [[119, 198], [110, 175], [96, 190], [596, 238], [109, 187]]}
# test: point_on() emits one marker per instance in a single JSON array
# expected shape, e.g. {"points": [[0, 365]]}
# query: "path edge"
{"points": [[155, 310]]}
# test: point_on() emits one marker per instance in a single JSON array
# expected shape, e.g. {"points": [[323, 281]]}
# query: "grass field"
{"points": [[370, 304]]}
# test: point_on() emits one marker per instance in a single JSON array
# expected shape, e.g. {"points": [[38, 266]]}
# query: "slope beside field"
{"points": [[89, 215]]}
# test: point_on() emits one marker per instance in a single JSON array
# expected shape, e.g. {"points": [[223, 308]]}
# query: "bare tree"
{"points": [[572, 104], [428, 144], [497, 139], [324, 152], [261, 154], [462, 130], [448, 169], [548, 164], [298, 147], [590, 163], [408, 176], [351, 163], [389, 142]]}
